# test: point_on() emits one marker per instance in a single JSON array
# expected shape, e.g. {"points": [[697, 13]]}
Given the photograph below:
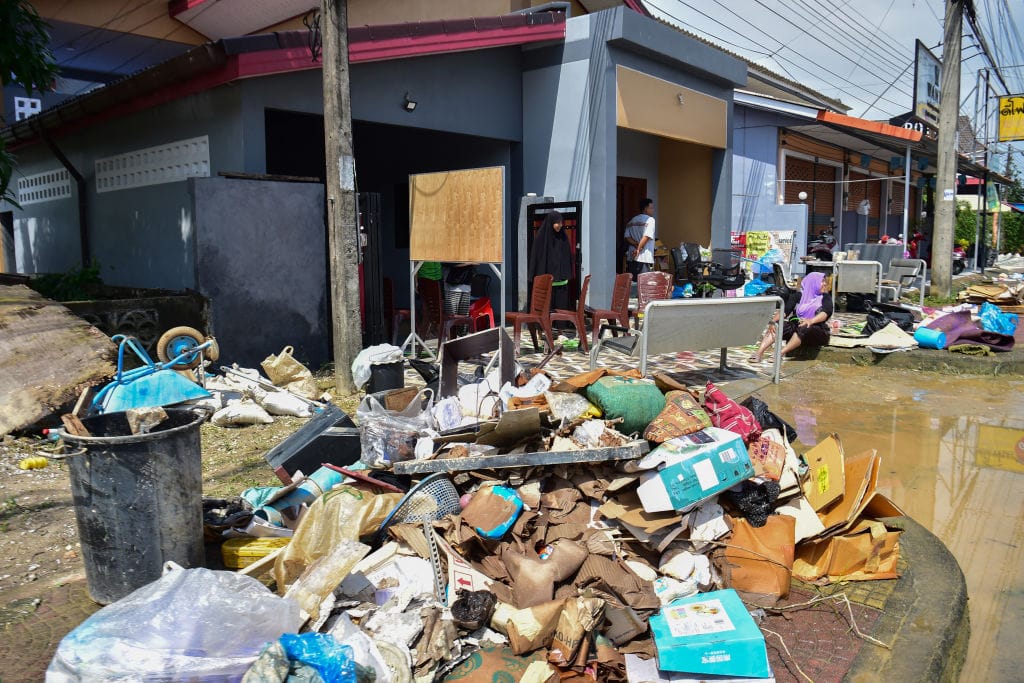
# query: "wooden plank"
{"points": [[457, 216], [634, 449], [47, 355]]}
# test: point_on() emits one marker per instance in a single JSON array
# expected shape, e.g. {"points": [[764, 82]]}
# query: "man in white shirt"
{"points": [[639, 236]]}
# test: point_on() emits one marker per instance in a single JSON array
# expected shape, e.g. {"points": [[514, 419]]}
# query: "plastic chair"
{"points": [[618, 312], [445, 323], [393, 316], [480, 310], [578, 317], [652, 286], [902, 274], [539, 314]]}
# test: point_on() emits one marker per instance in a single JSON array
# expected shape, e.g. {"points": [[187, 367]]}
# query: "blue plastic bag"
{"points": [[993, 319], [332, 660], [755, 287]]}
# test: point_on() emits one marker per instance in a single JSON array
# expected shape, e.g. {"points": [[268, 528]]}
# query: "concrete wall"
{"points": [[638, 158], [260, 249], [141, 237], [755, 168]]}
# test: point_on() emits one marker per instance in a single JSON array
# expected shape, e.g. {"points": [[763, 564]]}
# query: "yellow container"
{"points": [[241, 552]]}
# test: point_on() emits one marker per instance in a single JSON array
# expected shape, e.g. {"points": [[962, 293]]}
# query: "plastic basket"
{"points": [[433, 498]]}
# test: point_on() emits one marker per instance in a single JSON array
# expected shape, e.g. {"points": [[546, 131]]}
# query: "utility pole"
{"points": [[342, 226], [949, 113]]}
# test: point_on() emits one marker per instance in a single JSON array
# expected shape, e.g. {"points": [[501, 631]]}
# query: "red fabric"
{"points": [[728, 414]]}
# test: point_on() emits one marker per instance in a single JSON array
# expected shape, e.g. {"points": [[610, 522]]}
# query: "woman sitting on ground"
{"points": [[806, 320]]}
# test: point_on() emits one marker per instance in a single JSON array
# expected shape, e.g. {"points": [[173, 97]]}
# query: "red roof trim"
{"points": [[412, 46], [176, 7], [869, 126]]}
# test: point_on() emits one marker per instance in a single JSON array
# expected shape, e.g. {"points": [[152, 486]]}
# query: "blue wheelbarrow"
{"points": [[151, 385]]}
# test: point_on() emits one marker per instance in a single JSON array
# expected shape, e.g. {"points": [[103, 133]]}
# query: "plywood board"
{"points": [[457, 216], [47, 356]]}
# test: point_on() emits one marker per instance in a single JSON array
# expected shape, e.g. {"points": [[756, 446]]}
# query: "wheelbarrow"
{"points": [[151, 385]]}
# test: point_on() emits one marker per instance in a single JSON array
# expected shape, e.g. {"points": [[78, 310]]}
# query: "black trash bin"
{"points": [[138, 500], [384, 376]]}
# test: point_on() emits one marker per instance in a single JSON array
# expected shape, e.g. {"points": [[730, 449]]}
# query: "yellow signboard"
{"points": [[1011, 118], [1000, 447]]}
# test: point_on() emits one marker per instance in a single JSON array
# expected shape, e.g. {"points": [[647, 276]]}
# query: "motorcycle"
{"points": [[959, 260], [822, 245]]}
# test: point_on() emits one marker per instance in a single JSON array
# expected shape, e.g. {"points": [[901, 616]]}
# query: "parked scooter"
{"points": [[959, 259], [822, 245]]}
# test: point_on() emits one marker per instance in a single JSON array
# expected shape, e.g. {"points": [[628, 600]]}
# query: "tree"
{"points": [[1012, 222], [26, 60]]}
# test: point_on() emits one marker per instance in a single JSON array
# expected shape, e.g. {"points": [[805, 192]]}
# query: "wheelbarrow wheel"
{"points": [[179, 340]]}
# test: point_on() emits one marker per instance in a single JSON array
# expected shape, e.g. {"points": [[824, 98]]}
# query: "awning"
{"points": [[883, 141]]}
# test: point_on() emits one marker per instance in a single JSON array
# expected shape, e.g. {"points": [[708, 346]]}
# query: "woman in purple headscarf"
{"points": [[806, 319]]}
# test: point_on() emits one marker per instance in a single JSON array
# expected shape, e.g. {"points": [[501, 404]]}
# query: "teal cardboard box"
{"points": [[710, 633], [693, 468]]}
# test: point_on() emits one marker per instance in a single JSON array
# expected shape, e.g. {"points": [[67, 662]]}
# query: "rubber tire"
{"points": [[174, 333], [958, 267]]}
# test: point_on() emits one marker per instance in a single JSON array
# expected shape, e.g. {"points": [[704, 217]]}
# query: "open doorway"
{"points": [[628, 193], [8, 263]]}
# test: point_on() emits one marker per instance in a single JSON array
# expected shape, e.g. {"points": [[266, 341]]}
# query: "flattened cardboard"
{"points": [[461, 575], [827, 479], [868, 551], [710, 633]]}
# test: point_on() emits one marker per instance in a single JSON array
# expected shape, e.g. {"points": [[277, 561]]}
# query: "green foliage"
{"points": [[73, 285], [25, 60], [966, 224], [1011, 227]]}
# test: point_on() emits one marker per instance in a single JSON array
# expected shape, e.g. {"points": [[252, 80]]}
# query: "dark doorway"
{"points": [[7, 260], [295, 144], [628, 193]]}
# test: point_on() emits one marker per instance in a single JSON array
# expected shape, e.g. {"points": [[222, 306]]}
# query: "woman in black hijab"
{"points": [[550, 254]]}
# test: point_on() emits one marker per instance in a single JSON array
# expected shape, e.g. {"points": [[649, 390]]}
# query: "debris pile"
{"points": [[602, 527]]}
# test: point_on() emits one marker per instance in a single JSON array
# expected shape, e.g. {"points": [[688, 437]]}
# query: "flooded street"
{"points": [[953, 458]]}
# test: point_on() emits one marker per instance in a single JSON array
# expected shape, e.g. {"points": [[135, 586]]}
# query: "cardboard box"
{"points": [[710, 633], [827, 475], [693, 468]]}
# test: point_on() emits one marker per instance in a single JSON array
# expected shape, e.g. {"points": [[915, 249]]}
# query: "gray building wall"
{"points": [[140, 237], [755, 168], [570, 138]]}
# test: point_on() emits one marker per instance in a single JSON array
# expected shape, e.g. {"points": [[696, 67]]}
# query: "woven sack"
{"points": [[728, 414], [681, 415], [635, 401]]}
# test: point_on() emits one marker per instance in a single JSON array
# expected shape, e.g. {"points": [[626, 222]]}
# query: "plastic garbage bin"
{"points": [[384, 376], [138, 500]]}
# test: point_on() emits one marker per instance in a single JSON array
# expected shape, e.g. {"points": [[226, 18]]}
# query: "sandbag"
{"points": [[635, 401]]}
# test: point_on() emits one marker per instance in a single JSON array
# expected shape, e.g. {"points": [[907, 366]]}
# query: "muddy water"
{"points": [[953, 459]]}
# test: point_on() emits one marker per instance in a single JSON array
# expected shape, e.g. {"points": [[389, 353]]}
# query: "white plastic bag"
{"points": [[388, 436], [190, 624], [244, 412]]}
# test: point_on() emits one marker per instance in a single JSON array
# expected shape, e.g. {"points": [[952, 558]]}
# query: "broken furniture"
{"points": [[578, 318], [539, 314], [902, 274], [617, 312], [699, 324], [329, 436]]}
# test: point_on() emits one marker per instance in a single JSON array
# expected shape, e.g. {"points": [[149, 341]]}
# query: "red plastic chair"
{"points": [[651, 286], [578, 317], [539, 314], [393, 316], [445, 323], [481, 310], [618, 312]]}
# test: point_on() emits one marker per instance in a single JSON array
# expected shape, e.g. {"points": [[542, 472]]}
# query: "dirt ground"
{"points": [[38, 534]]}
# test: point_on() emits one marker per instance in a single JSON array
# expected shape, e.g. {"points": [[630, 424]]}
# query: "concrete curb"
{"points": [[925, 360], [925, 618]]}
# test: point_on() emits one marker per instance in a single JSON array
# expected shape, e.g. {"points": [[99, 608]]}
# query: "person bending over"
{"points": [[806, 320]]}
